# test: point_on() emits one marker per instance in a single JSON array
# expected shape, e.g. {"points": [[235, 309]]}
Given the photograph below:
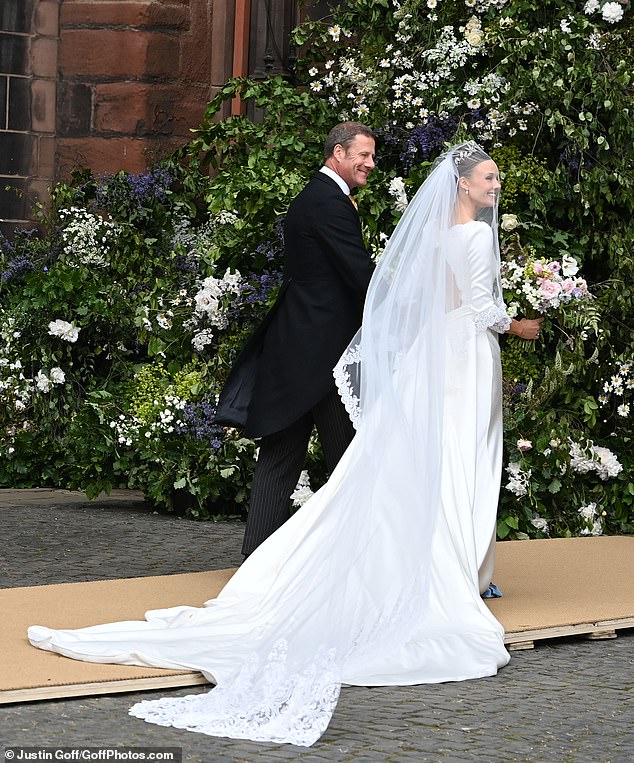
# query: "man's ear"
{"points": [[339, 152]]}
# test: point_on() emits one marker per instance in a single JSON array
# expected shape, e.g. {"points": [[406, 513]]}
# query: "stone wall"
{"points": [[105, 84], [134, 77]]}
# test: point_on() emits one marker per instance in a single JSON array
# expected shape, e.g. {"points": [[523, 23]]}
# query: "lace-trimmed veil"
{"points": [[409, 294]]}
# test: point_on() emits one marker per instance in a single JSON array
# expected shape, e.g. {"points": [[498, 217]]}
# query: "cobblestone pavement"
{"points": [[566, 701]]}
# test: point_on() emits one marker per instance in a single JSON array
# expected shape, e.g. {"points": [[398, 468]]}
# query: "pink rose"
{"points": [[549, 289], [538, 268], [568, 285]]}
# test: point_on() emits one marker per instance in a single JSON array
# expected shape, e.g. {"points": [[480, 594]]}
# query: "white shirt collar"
{"points": [[338, 180]]}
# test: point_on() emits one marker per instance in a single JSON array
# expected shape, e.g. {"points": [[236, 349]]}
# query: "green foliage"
{"points": [[161, 313], [522, 176]]}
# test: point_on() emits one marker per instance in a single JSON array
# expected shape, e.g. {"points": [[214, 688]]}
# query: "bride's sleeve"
{"points": [[489, 311]]}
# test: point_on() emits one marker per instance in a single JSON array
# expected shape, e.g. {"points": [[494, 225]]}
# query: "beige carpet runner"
{"points": [[551, 588]]}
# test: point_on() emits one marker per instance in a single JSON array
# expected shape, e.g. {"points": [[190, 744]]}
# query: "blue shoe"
{"points": [[492, 592]]}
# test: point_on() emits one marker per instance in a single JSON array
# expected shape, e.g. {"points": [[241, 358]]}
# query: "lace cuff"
{"points": [[345, 386], [494, 318]]}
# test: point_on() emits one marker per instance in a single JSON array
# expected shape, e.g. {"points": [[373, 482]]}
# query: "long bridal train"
{"points": [[350, 590]]}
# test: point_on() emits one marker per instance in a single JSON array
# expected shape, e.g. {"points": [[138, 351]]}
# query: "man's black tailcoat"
{"points": [[286, 367]]}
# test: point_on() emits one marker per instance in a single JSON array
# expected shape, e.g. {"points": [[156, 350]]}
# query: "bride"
{"points": [[377, 579]]}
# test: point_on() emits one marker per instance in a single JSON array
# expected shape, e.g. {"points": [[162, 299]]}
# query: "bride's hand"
{"points": [[526, 328]]}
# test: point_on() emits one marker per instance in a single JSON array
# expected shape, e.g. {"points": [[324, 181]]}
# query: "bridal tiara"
{"points": [[471, 148]]}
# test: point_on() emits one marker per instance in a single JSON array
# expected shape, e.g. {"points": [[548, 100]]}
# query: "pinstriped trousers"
{"points": [[281, 460]]}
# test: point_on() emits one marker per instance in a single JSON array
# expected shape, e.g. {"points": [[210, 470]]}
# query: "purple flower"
{"points": [[17, 268], [426, 140], [199, 422], [137, 189], [154, 184], [257, 288]]}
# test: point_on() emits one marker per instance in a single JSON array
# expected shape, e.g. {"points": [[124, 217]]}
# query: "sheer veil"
{"points": [[410, 293]]}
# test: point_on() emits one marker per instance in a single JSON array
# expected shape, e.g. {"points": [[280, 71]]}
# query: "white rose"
{"points": [[612, 12], [588, 512], [474, 38], [42, 382], [524, 445], [57, 376], [509, 222], [539, 523], [63, 330]]}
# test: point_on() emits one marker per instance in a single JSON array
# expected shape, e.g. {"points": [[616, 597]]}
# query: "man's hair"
{"points": [[343, 134]]}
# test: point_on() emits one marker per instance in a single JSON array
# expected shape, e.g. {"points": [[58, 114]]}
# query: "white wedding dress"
{"points": [[376, 580]]}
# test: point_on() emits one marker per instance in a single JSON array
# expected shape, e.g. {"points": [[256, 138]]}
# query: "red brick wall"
{"points": [[105, 84], [134, 77]]}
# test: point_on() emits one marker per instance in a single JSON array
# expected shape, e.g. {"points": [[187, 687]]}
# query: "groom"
{"points": [[282, 384]]}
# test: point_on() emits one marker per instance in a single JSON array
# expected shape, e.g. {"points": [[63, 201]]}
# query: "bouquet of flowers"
{"points": [[535, 284]]}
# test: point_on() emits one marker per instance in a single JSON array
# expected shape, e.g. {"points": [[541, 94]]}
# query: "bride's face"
{"points": [[483, 184]]}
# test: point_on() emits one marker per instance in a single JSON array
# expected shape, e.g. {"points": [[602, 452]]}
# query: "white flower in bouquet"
{"points": [[591, 7], [512, 309], [524, 445], [544, 285], [64, 330]]}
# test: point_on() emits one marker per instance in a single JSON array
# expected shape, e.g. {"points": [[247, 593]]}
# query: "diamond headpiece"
{"points": [[471, 148]]}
